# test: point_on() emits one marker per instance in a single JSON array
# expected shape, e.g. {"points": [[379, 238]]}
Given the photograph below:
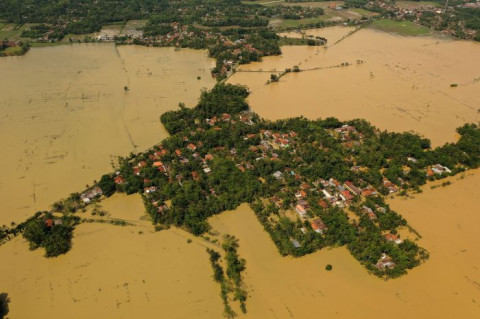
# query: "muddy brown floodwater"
{"points": [[403, 84], [113, 272], [65, 115], [131, 271], [446, 286]]}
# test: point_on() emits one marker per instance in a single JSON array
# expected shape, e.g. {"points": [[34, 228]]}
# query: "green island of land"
{"points": [[312, 183]]}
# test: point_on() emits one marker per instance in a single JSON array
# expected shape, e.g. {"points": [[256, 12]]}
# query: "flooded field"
{"points": [[67, 112], [446, 286], [113, 272], [403, 84], [131, 271], [332, 34]]}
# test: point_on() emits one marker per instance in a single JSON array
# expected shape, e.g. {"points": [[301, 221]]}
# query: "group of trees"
{"points": [[80, 17], [13, 48], [4, 301], [230, 280], [53, 234], [456, 19]]}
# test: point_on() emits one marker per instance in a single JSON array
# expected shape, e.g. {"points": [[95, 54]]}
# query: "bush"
{"points": [[329, 267]]}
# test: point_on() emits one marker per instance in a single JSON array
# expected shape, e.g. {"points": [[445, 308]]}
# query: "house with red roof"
{"points": [[346, 196], [136, 170], [352, 188], [49, 223]]}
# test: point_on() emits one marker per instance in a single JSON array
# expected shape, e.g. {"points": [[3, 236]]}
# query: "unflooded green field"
{"points": [[405, 28]]}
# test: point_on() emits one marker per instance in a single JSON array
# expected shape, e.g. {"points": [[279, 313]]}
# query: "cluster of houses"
{"points": [[333, 192], [348, 135], [437, 16], [275, 141], [245, 117]]}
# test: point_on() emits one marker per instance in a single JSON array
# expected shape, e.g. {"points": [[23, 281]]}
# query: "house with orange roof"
{"points": [[346, 196], [195, 176], [393, 238], [369, 191], [323, 204], [318, 226], [301, 194], [119, 180], [300, 210]]}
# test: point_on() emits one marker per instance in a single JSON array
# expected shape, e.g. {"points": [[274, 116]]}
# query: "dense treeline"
{"points": [[232, 283], [95, 13], [84, 16]]}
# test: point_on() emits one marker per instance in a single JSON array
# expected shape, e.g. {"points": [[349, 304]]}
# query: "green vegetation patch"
{"points": [[12, 51], [284, 24], [363, 12], [52, 233], [292, 41], [405, 28], [416, 4], [9, 31]]}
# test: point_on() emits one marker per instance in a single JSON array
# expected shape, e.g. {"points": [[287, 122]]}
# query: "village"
{"points": [[297, 197], [444, 18]]}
